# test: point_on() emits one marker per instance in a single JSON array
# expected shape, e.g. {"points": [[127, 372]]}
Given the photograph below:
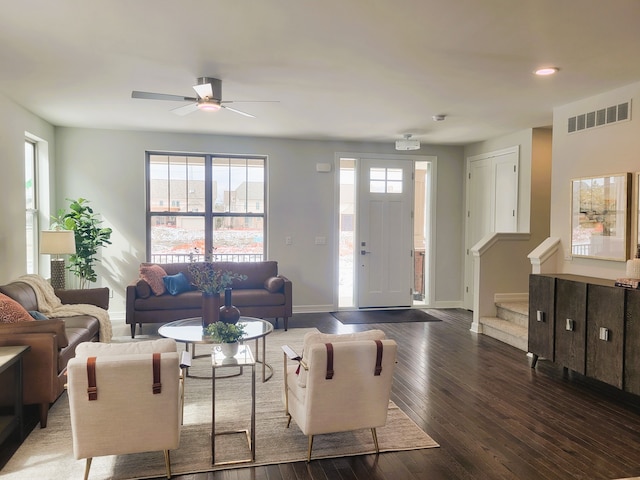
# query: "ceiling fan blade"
{"points": [[250, 101], [238, 111], [161, 96], [186, 109], [204, 90]]}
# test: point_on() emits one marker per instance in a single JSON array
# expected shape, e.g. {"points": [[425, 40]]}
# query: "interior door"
{"points": [[384, 252]]}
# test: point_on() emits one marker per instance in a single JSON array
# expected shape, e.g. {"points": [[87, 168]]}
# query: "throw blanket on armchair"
{"points": [[51, 306]]}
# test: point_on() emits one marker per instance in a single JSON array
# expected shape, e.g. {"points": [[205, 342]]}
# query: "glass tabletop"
{"points": [[189, 330]]}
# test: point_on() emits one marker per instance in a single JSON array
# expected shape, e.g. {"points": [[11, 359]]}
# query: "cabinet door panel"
{"points": [[541, 315], [571, 328], [632, 343], [605, 333]]}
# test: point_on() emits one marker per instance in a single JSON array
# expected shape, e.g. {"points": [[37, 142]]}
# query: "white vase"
{"points": [[229, 349]]}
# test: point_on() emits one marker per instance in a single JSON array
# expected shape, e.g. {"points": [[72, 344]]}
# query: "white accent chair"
{"points": [[355, 397], [131, 414]]}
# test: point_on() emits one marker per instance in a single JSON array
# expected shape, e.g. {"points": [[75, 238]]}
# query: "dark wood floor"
{"points": [[493, 416]]}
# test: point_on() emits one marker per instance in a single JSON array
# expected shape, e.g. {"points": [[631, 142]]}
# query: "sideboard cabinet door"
{"points": [[541, 316], [632, 343], [605, 334], [571, 324]]}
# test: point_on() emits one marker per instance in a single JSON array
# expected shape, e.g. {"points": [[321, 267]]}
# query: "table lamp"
{"points": [[56, 243]]}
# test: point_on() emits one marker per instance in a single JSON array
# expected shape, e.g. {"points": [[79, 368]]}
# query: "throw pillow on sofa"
{"points": [[274, 284], [177, 283], [153, 275], [12, 312]]}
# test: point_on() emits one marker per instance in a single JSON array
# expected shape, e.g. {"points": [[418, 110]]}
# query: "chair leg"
{"points": [[310, 447], [87, 467], [167, 463], [375, 439]]}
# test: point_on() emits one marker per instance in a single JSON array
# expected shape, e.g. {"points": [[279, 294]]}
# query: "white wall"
{"points": [[14, 122], [107, 167], [608, 149]]}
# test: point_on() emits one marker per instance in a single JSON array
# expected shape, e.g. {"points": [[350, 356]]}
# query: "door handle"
{"points": [[364, 252]]}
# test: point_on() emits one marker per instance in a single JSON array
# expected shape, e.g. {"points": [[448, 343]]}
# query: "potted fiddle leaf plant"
{"points": [[89, 236]]}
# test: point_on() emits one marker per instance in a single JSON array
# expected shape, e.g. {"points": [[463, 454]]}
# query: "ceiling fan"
{"points": [[209, 91]]}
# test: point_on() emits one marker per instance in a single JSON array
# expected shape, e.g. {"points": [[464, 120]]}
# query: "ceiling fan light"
{"points": [[209, 106], [546, 71]]}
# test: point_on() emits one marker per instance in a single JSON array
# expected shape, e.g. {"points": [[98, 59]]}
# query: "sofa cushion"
{"points": [[190, 299], [12, 312], [153, 275], [177, 283], [313, 338], [274, 284]]}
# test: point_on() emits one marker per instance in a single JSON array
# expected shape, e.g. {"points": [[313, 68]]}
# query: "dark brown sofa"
{"points": [[252, 296], [53, 342]]}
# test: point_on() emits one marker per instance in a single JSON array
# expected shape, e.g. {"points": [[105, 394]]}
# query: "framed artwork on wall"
{"points": [[600, 217]]}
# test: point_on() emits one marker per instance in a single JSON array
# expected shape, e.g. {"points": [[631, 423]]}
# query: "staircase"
{"points": [[511, 326]]}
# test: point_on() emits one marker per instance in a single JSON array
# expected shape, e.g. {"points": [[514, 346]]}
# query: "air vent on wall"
{"points": [[600, 117]]}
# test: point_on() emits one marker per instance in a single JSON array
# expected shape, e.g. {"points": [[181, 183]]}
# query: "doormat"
{"points": [[384, 316]]}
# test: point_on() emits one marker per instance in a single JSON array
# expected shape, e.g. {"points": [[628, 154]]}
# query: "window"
{"points": [[385, 180], [31, 206], [214, 205]]}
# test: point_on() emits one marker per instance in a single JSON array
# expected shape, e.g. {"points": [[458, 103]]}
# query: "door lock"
{"points": [[364, 252]]}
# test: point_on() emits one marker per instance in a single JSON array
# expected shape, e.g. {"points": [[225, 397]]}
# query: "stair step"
{"points": [[515, 312], [508, 332]]}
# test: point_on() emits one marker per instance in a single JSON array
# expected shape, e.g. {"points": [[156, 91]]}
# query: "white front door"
{"points": [[384, 251]]}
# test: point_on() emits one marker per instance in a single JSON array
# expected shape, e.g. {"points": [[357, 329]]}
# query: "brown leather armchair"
{"points": [[52, 341]]}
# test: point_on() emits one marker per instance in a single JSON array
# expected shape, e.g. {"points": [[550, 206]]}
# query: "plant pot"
{"points": [[229, 349], [229, 313], [210, 308]]}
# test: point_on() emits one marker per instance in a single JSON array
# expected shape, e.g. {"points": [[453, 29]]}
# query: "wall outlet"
{"points": [[567, 255], [288, 240]]}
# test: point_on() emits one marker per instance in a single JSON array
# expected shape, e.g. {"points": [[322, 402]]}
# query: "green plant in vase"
{"points": [[227, 335], [221, 332]]}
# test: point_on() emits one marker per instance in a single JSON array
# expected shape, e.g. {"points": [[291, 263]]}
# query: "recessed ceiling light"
{"points": [[546, 71]]}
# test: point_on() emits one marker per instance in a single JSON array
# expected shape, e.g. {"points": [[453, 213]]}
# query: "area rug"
{"points": [[384, 316], [48, 453]]}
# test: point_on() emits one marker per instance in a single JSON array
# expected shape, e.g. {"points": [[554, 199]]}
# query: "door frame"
{"points": [[430, 261]]}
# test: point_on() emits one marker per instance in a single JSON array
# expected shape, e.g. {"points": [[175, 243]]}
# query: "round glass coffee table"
{"points": [[189, 331]]}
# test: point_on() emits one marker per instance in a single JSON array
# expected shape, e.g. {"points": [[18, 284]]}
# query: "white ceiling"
{"points": [[367, 70]]}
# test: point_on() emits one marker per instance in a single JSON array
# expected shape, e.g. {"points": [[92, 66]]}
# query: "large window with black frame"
{"points": [[205, 206]]}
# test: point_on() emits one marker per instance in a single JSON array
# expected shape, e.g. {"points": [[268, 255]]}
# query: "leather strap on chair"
{"points": [[157, 385], [378, 369], [92, 389], [329, 375]]}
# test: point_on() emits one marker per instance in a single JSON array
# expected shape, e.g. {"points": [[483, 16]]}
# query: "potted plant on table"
{"points": [[211, 282], [227, 335]]}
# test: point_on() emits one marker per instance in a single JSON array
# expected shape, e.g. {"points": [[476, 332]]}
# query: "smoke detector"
{"points": [[407, 143]]}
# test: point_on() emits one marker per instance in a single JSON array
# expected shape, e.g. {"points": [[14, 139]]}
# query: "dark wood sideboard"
{"points": [[587, 325]]}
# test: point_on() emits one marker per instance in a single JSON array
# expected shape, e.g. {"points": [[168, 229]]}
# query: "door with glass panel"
{"points": [[384, 249]]}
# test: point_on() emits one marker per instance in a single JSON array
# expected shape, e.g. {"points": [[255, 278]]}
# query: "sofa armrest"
{"points": [[54, 327], [288, 295], [93, 296], [40, 367]]}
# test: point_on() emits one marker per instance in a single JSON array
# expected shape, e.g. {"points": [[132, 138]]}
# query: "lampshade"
{"points": [[57, 242]]}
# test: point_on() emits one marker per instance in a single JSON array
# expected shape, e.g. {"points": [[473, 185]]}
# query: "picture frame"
{"points": [[600, 217]]}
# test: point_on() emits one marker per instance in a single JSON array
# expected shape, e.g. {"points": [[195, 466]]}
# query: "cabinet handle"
{"points": [[539, 315], [571, 324], [604, 334]]}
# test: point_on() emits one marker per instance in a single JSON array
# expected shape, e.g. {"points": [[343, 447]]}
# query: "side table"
{"points": [[11, 357], [244, 358]]}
